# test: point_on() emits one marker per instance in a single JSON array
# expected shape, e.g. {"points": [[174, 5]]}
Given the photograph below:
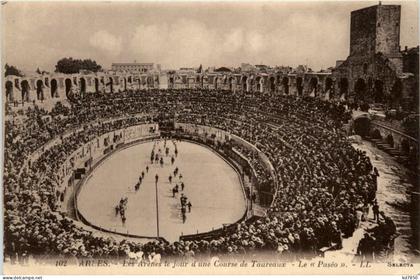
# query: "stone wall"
{"points": [[60, 87]]}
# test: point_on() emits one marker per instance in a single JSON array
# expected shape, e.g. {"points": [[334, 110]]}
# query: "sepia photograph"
{"points": [[210, 137]]}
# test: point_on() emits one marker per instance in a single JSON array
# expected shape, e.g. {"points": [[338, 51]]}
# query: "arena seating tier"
{"points": [[321, 179]]}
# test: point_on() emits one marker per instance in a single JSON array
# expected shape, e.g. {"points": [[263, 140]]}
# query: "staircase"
{"points": [[395, 153]]}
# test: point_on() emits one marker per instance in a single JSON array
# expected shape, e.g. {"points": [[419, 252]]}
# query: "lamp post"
{"points": [[157, 205]]}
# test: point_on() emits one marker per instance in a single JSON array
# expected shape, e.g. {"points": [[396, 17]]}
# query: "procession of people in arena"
{"points": [[325, 188], [157, 157]]}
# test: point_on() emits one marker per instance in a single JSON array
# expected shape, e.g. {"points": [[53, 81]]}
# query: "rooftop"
{"points": [[131, 64]]}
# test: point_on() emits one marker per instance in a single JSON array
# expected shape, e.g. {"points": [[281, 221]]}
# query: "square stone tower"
{"points": [[375, 29], [373, 69]]}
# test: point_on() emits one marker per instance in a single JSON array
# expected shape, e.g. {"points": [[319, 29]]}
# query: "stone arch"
{"points": [[68, 86], [9, 91], [231, 82], [299, 85], [328, 89], [111, 84], [376, 134], [39, 90], [96, 85], [244, 83], [272, 84], [24, 85], [258, 82], [390, 140], [328, 83], [171, 82], [82, 87], [225, 80], [361, 126], [285, 84], [343, 86], [313, 86], [149, 82], [216, 79], [379, 91], [360, 88], [278, 79], [54, 88], [250, 85]]}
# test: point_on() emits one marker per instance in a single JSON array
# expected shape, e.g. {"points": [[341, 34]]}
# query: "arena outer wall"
{"points": [[58, 87]]}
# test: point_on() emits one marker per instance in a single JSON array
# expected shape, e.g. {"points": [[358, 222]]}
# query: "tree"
{"points": [[72, 66], [222, 69], [12, 70]]}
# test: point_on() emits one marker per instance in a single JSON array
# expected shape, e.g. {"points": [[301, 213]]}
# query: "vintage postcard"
{"points": [[210, 137]]}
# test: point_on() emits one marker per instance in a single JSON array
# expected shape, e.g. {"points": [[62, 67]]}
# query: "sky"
{"points": [[186, 34]]}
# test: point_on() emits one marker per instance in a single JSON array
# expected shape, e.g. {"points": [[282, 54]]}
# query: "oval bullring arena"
{"points": [[265, 169]]}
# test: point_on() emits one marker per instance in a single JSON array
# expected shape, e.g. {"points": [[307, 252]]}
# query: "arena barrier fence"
{"points": [[247, 217]]}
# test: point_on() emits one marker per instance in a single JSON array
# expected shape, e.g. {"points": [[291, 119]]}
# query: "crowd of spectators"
{"points": [[321, 180]]}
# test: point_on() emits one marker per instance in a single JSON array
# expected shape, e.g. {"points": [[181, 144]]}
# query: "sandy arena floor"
{"points": [[212, 186]]}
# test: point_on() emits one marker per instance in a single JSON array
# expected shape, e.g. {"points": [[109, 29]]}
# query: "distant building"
{"points": [[134, 67], [283, 69], [263, 68], [188, 69], [301, 69], [246, 67]]}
